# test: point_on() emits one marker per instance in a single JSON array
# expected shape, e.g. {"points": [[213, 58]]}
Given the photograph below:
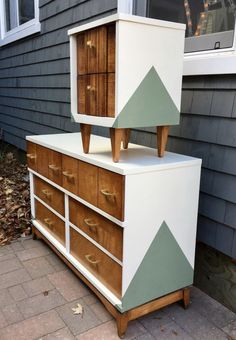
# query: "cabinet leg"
{"points": [[186, 297], [162, 136], [85, 132], [122, 324], [116, 138], [126, 138]]}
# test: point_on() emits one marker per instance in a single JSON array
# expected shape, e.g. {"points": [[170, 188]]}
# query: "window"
{"points": [[210, 43], [18, 19]]}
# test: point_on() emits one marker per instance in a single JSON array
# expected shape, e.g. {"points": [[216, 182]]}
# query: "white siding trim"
{"points": [[125, 6]]}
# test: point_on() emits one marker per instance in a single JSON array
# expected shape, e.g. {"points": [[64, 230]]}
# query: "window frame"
{"points": [[218, 61], [20, 31]]}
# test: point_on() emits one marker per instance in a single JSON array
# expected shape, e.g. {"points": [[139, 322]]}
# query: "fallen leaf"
{"points": [[45, 293], [78, 309], [8, 191]]}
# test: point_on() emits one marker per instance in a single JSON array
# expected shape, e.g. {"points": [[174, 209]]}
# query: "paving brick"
{"points": [[8, 256], [70, 287], [230, 329], [146, 336], [78, 323], [90, 299], [101, 312], [33, 328], [37, 286], [5, 298], [108, 330], [9, 266], [3, 322], [62, 334], [12, 314], [28, 244], [169, 331], [155, 319], [38, 267], [18, 293], [32, 253], [17, 246], [56, 262], [5, 250], [13, 278], [40, 303]]}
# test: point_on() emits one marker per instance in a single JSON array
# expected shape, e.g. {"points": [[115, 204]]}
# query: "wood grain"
{"points": [[88, 182], [103, 267], [103, 231], [32, 156], [70, 172], [110, 95], [54, 167], [82, 63], [111, 193], [42, 160], [50, 222], [49, 195], [111, 47]]}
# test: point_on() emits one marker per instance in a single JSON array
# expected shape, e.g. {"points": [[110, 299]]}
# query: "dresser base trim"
{"points": [[122, 319]]}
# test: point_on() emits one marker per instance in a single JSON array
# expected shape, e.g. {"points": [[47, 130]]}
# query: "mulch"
{"points": [[14, 199]]}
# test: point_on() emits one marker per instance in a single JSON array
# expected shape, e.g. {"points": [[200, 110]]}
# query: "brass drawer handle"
{"points": [[54, 168], [93, 262], [90, 88], [48, 222], [107, 193], [90, 44], [47, 193], [69, 176], [92, 226], [31, 156]]}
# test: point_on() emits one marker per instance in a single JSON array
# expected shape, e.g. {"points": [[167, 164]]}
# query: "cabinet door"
{"points": [[111, 95], [82, 64], [82, 94], [111, 43]]}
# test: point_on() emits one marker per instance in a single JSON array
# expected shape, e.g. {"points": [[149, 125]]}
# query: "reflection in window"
{"points": [[26, 11], [202, 18]]}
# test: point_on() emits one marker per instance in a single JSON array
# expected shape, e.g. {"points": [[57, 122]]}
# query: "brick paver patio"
{"points": [[38, 292]]}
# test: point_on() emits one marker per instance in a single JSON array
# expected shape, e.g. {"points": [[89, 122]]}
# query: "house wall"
{"points": [[35, 99], [34, 72]]}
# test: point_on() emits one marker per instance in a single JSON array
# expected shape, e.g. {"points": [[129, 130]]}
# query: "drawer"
{"points": [[49, 195], [103, 231], [55, 167], [32, 156], [53, 224], [96, 50], [88, 182], [70, 169], [98, 263], [111, 193], [42, 160]]}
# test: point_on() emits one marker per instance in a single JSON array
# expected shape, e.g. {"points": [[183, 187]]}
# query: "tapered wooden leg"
{"points": [[116, 138], [126, 137], [162, 136], [186, 298], [85, 132], [122, 324]]}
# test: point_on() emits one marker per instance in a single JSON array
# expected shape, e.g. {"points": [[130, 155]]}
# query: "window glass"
{"points": [[10, 14], [26, 11], [209, 23]]}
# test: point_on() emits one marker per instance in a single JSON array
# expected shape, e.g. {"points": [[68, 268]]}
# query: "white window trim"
{"points": [[21, 31]]}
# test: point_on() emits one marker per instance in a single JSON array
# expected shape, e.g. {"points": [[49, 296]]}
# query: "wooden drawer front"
{"points": [[102, 266], [32, 156], [70, 169], [96, 94], [96, 50], [88, 182], [42, 160], [111, 193], [54, 167], [49, 195], [51, 222], [103, 231]]}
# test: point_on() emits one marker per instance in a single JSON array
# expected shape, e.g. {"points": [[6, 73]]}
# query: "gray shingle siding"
{"points": [[34, 99]]}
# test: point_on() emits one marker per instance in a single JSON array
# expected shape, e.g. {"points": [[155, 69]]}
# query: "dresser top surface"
{"points": [[137, 159]]}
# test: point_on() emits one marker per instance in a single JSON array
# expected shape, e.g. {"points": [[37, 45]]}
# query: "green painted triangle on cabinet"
{"points": [[164, 269], [150, 105]]}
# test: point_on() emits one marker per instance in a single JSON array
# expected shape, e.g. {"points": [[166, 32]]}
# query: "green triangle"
{"points": [[163, 270], [150, 105]]}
